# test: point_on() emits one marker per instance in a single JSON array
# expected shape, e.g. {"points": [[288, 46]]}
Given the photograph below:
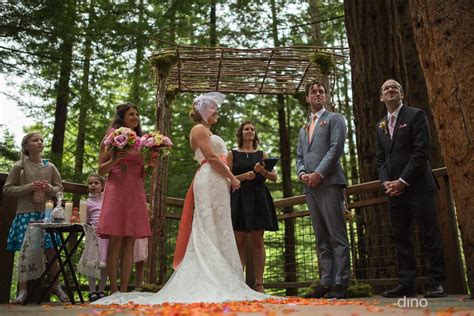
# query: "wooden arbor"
{"points": [[269, 71]]}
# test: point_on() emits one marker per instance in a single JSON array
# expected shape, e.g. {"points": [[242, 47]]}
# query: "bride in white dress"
{"points": [[210, 270]]}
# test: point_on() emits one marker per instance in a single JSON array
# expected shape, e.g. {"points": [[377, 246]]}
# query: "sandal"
{"points": [[58, 291], [259, 287], [93, 296], [21, 298]]}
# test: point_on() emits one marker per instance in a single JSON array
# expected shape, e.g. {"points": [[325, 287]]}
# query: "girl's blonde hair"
{"points": [[24, 142], [98, 176]]}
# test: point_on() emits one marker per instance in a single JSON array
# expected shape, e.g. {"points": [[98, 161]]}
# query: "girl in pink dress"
{"points": [[95, 185], [140, 256], [124, 216]]}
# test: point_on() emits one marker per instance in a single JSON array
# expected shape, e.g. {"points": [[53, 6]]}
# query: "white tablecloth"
{"points": [[32, 263]]}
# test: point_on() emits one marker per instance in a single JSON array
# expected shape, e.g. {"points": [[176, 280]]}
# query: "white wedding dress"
{"points": [[210, 270]]}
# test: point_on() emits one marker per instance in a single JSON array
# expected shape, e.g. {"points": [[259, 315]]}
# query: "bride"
{"points": [[206, 261]]}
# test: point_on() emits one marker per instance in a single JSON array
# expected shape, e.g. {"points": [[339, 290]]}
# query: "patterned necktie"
{"points": [[391, 125], [312, 126]]}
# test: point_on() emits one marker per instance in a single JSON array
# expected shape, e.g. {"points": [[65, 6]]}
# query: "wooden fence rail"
{"points": [[359, 197]]}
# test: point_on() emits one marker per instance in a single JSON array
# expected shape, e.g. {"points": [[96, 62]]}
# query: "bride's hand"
{"points": [[234, 183]]}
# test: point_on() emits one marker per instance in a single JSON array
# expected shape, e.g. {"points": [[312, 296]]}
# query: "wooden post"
{"points": [[8, 212], [159, 190]]}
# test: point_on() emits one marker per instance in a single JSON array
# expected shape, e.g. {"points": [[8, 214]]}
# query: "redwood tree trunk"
{"points": [[443, 34], [140, 45], [283, 131], [213, 25], [62, 97], [85, 101], [381, 46]]}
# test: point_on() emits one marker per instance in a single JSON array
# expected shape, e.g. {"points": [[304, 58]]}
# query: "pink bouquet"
{"points": [[153, 145], [122, 138]]}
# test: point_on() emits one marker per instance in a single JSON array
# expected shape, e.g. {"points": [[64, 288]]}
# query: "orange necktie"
{"points": [[312, 126]]}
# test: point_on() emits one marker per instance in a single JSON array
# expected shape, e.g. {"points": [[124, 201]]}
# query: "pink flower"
{"points": [[121, 141], [149, 142], [167, 141], [108, 140], [138, 144]]}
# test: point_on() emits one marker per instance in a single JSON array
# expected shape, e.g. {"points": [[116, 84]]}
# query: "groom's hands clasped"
{"points": [[312, 180]]}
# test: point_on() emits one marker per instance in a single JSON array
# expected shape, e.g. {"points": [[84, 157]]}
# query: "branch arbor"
{"points": [[266, 71]]}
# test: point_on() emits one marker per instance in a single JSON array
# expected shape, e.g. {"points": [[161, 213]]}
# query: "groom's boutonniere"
{"points": [[402, 125], [383, 126], [322, 123]]}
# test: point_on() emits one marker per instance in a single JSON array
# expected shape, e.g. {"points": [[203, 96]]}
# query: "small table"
{"points": [[32, 269]]}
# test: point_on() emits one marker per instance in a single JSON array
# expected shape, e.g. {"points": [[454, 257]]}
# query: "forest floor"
{"points": [[451, 305]]}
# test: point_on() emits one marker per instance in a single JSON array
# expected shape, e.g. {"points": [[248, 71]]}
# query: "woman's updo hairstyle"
{"points": [[194, 114]]}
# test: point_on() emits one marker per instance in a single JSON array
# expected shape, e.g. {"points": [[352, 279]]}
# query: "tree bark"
{"points": [[381, 46], [354, 175], [212, 24], [140, 44], [313, 6], [377, 52], [85, 101], [443, 34], [62, 97], [285, 148], [171, 17]]}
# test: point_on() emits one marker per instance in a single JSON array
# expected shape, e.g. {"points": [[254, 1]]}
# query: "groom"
{"points": [[320, 145], [403, 146]]}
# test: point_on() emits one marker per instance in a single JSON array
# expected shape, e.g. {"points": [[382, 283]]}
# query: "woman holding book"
{"points": [[252, 206]]}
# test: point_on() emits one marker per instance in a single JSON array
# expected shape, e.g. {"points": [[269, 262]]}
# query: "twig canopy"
{"points": [[272, 71]]}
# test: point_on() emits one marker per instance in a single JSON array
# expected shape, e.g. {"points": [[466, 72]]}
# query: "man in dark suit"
{"points": [[320, 145], [403, 145]]}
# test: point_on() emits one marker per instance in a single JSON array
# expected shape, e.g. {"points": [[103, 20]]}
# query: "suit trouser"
{"points": [[326, 208], [422, 208]]}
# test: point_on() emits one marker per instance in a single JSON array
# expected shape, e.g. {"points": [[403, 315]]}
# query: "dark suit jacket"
{"points": [[406, 155]]}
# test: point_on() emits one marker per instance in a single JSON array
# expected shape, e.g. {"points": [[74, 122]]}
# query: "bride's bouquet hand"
{"points": [[234, 183]]}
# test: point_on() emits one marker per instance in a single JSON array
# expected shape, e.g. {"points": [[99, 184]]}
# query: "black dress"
{"points": [[252, 204]]}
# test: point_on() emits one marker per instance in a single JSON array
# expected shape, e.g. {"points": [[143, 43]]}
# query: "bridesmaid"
{"points": [[124, 215]]}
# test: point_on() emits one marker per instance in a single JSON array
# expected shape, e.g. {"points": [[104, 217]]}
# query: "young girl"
{"points": [[31, 180], [124, 215], [140, 256], [95, 185]]}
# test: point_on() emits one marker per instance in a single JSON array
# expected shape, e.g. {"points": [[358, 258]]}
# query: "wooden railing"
{"points": [[366, 195], [357, 200]]}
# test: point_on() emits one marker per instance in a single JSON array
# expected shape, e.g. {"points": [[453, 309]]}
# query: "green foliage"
{"points": [[9, 152], [116, 75], [171, 93], [325, 61], [149, 287], [300, 96], [358, 289], [164, 62]]}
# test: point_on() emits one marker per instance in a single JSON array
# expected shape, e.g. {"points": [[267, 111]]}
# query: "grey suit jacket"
{"points": [[322, 154]]}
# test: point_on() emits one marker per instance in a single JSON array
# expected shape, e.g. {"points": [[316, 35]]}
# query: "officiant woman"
{"points": [[253, 211]]}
